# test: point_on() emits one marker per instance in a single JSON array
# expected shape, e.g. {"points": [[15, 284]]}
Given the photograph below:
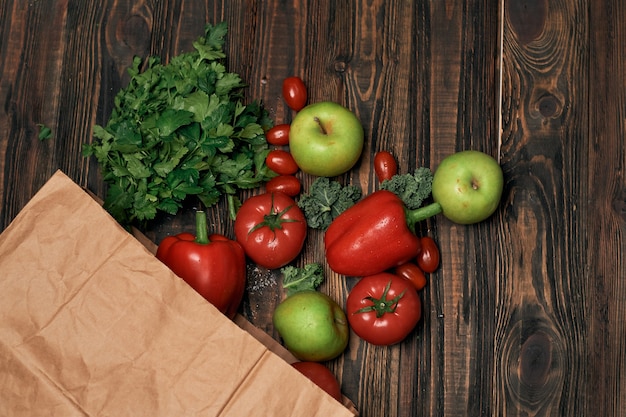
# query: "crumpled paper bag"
{"points": [[92, 324]]}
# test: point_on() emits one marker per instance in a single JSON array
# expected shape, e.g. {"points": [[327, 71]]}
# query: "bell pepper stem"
{"points": [[202, 234], [417, 215]]}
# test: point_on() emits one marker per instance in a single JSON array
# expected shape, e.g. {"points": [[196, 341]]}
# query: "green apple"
{"points": [[325, 139], [468, 186], [312, 325]]}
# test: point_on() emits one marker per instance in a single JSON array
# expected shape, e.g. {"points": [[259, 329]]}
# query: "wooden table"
{"points": [[526, 315]]}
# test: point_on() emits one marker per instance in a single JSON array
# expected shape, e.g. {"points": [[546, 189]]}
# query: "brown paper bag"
{"points": [[92, 324]]}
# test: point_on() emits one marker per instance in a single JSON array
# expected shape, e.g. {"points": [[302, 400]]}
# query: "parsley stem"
{"points": [[202, 235], [232, 206]]}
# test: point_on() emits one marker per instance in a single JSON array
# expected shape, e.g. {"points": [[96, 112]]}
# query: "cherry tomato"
{"points": [[383, 309], [321, 376], [412, 272], [428, 257], [294, 93], [281, 162], [287, 184], [278, 135], [385, 165], [271, 228]]}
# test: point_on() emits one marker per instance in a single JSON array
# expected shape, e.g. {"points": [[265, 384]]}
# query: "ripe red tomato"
{"points": [[278, 135], [321, 376], [412, 272], [271, 228], [287, 184], [428, 257], [385, 165], [294, 93], [383, 309], [281, 162]]}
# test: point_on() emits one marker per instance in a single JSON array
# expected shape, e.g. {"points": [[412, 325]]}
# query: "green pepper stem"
{"points": [[202, 234], [417, 215]]}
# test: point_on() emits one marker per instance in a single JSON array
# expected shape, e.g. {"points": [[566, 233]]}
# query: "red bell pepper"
{"points": [[372, 236], [214, 266]]}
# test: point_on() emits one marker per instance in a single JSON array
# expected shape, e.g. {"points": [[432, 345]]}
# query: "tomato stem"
{"points": [[274, 219], [382, 305], [202, 234]]}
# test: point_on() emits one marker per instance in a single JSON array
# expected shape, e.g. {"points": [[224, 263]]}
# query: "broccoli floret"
{"points": [[412, 189], [326, 200], [300, 279]]}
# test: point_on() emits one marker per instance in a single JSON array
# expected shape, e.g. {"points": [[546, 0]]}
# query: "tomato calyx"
{"points": [[273, 220], [382, 305]]}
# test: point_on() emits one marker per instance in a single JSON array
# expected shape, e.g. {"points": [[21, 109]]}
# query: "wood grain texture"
{"points": [[525, 316], [564, 185], [605, 188]]}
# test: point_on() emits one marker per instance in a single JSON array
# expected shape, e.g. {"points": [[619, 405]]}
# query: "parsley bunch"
{"points": [[181, 129]]}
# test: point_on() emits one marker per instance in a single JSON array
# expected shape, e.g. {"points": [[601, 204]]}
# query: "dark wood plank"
{"points": [[544, 151], [605, 208], [554, 349], [463, 115]]}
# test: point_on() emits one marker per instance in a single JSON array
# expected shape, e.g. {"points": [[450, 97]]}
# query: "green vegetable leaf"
{"points": [[171, 120], [412, 189], [169, 161], [126, 138], [300, 279], [136, 167], [251, 131], [118, 198], [180, 129], [227, 83], [326, 200], [210, 47], [44, 132], [197, 103]]}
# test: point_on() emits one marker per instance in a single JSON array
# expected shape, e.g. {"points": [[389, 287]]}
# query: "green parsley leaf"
{"points": [[44, 132]]}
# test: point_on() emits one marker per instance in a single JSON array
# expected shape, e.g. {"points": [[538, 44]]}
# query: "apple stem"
{"points": [[415, 216], [319, 122]]}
